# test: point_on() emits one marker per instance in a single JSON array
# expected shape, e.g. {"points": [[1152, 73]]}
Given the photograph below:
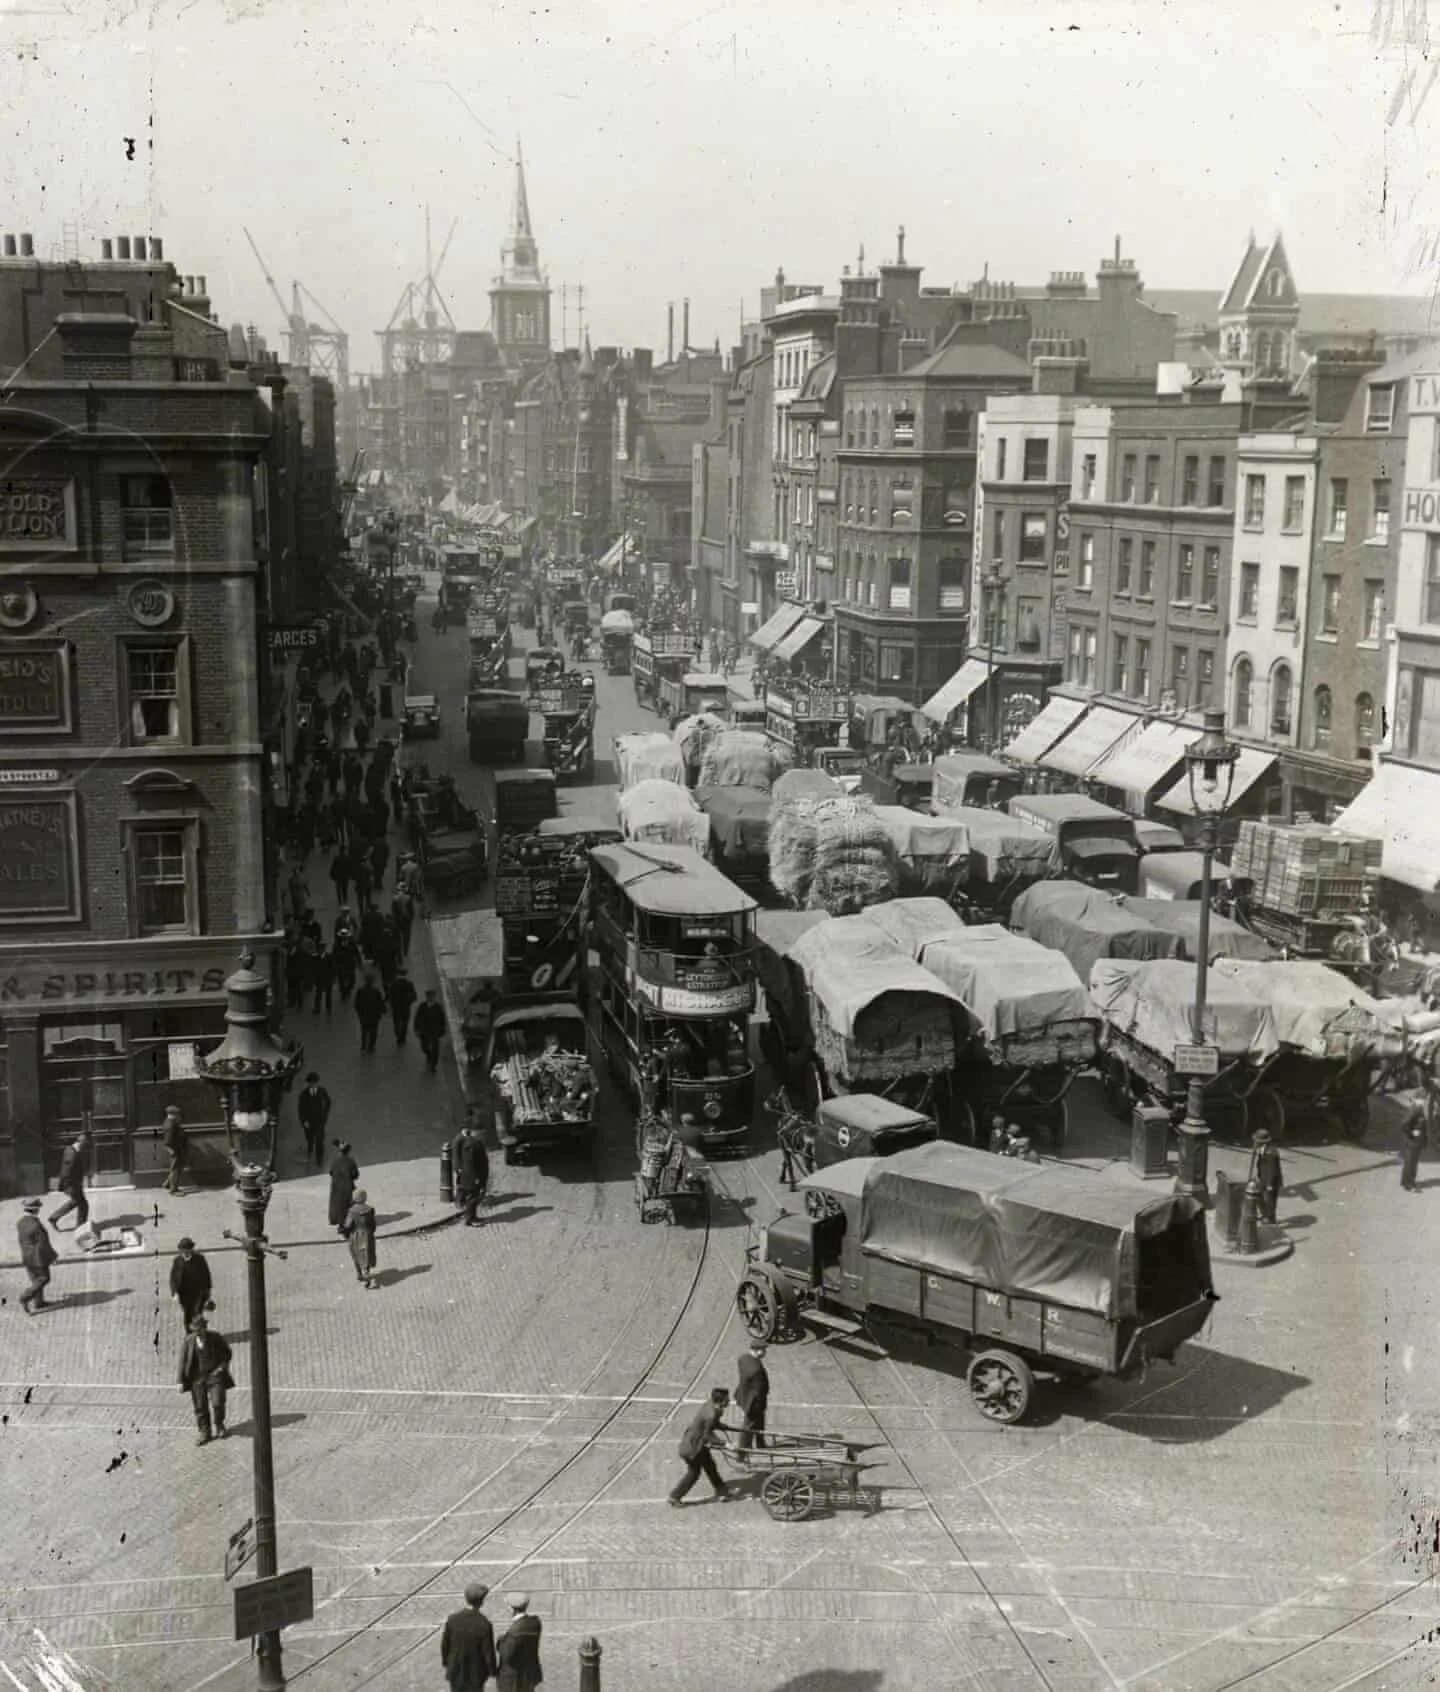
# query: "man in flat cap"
{"points": [[37, 1253], [519, 1651], [467, 1646]]}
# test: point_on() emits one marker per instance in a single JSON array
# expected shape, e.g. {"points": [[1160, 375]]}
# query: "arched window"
{"points": [[1321, 732], [1364, 724], [1262, 352], [1244, 687], [1282, 688]]}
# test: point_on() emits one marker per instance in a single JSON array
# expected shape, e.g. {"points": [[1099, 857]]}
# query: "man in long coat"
{"points": [[752, 1395], [189, 1281], [313, 1109], [467, 1645], [472, 1170], [518, 1650], [344, 1173], [37, 1253]]}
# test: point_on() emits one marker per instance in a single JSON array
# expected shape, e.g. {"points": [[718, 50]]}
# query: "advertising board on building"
{"points": [[39, 881], [37, 514], [34, 686]]}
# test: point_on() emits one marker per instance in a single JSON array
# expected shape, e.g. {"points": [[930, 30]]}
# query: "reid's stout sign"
{"points": [[34, 687]]}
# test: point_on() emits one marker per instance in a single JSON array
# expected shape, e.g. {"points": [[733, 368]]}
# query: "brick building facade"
{"points": [[132, 856]]}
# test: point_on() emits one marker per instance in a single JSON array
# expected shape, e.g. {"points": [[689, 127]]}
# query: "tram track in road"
{"points": [[576, 1512], [535, 1493]]}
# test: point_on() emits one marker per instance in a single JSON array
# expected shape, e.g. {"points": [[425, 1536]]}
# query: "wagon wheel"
{"points": [[1001, 1385], [758, 1307], [819, 1205], [1263, 1108], [1119, 1093], [788, 1496]]}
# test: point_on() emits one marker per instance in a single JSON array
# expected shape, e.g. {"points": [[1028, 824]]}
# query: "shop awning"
{"points": [[1138, 765], [1088, 741], [779, 625], [612, 558], [800, 636], [1041, 733], [1249, 767], [970, 676], [1400, 807]]}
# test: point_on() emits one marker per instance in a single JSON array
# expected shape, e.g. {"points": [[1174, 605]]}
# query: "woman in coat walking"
{"points": [[344, 1173], [359, 1229]]}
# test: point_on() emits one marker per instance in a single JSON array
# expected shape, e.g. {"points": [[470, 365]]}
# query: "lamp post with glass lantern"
{"points": [[253, 1071], [1210, 771], [992, 585]]}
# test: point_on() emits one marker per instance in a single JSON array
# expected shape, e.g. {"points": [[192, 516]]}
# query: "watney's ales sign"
{"points": [[37, 514]]}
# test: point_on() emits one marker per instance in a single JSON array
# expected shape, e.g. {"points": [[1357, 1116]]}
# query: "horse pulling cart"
{"points": [[802, 1470]]}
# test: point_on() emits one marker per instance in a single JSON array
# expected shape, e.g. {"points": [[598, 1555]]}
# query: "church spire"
{"points": [[520, 216]]}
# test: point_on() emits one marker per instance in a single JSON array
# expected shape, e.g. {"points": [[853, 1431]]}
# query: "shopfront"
{"points": [[102, 1037]]}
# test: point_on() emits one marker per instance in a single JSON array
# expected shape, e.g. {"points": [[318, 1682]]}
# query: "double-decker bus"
{"points": [[676, 942]]}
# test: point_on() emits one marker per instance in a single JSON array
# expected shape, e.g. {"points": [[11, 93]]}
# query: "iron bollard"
{"points": [[447, 1175], [590, 1665], [1247, 1237]]}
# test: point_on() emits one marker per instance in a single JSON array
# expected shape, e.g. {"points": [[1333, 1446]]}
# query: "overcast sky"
{"points": [[678, 148]]}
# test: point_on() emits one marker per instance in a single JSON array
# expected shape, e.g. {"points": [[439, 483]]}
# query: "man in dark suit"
{"points": [[190, 1281], [472, 1169], [74, 1167], [313, 1109], [519, 1650], [752, 1395], [205, 1375], [467, 1646]]}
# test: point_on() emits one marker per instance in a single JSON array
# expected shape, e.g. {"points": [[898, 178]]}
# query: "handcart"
{"points": [[672, 1182], [802, 1470]]}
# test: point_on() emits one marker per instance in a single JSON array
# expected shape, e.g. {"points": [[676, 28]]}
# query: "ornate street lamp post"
{"points": [[253, 1071], [1210, 770], [992, 585]]}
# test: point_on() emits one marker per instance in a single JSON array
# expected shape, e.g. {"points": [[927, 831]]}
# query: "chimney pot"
{"points": [[203, 289], [107, 249], [27, 246], [122, 247], [157, 249], [137, 247], [9, 246]]}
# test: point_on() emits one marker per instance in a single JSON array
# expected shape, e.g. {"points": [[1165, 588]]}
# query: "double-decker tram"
{"points": [[676, 942]]}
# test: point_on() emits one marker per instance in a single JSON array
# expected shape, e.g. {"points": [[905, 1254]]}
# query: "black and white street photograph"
{"points": [[719, 846]]}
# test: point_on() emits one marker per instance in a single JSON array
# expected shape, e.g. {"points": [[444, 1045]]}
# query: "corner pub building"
{"points": [[132, 774]]}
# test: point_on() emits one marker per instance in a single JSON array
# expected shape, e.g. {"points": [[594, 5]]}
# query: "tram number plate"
{"points": [[1197, 1060]]}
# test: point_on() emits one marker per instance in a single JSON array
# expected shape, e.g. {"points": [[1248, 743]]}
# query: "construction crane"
{"points": [[311, 346], [415, 333]]}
